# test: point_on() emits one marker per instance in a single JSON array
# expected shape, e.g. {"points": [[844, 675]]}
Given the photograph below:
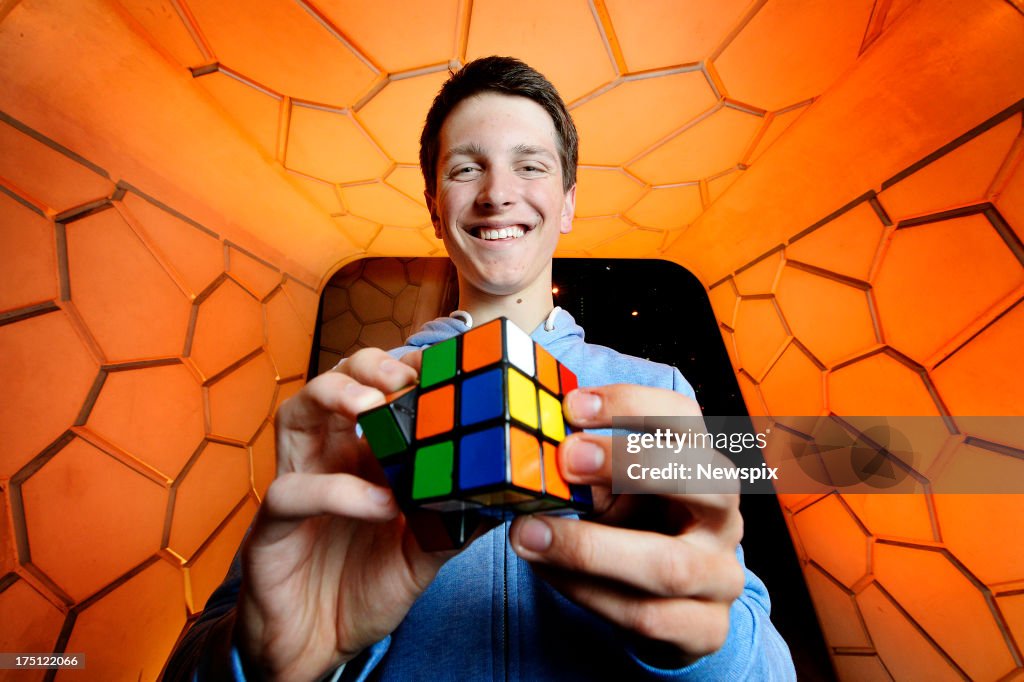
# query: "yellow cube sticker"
{"points": [[522, 398], [551, 422]]}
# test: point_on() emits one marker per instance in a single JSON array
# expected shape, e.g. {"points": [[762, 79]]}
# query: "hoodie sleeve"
{"points": [[753, 650]]}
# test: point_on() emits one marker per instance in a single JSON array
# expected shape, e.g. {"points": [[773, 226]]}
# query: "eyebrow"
{"points": [[473, 149], [470, 149], [532, 150]]}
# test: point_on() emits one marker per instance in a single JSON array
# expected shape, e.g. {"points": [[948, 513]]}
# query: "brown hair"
{"points": [[506, 76]]}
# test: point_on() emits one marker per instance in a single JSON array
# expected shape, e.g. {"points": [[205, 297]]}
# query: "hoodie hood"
{"points": [[564, 333]]}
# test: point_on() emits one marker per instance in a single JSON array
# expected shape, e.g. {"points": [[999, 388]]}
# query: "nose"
{"points": [[497, 190]]}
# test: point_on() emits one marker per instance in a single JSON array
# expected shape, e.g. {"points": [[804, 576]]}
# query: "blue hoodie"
{"points": [[486, 616]]}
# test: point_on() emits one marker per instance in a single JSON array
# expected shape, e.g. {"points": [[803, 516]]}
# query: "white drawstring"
{"points": [[464, 316], [549, 324]]}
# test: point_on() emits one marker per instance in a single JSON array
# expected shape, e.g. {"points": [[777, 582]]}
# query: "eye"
{"points": [[465, 172], [529, 168]]}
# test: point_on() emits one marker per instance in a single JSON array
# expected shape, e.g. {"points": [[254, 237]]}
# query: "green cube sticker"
{"points": [[432, 472], [382, 432], [438, 363]]}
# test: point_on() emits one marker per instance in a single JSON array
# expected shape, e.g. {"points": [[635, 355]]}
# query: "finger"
{"points": [[595, 406], [588, 459], [374, 367], [414, 359], [659, 565], [294, 497], [330, 393], [696, 627]]}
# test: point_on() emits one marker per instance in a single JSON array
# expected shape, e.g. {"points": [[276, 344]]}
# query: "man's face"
{"points": [[499, 205]]}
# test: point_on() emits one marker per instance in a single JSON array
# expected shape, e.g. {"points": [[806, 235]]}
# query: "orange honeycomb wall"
{"points": [[144, 356], [906, 301], [845, 177]]}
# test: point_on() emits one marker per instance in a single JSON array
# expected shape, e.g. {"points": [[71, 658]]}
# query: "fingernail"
{"points": [[535, 535], [585, 404], [357, 390], [379, 496], [585, 457], [390, 366]]}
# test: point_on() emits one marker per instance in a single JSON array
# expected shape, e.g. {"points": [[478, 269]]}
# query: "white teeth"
{"points": [[489, 233]]}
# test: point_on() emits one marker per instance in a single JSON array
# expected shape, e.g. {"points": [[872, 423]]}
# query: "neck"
{"points": [[527, 308]]}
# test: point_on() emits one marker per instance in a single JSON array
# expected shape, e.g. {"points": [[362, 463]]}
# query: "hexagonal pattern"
{"points": [[356, 120], [899, 643], [104, 254], [894, 516], [831, 317], [925, 278], [667, 104], [838, 611], [282, 64], [90, 448], [970, 383], [604, 191], [830, 518], [206, 571], [381, 203], [154, 414], [942, 604], [258, 278], [762, 56], [760, 335], [960, 177], [27, 255], [494, 30], [40, 353], [217, 480], [821, 41], [668, 207], [69, 504], [906, 392], [37, 624], [845, 245], [689, 41], [153, 596], [256, 108], [228, 327], [943, 289], [263, 461], [46, 177], [396, 35], [196, 256], [709, 146], [331, 145], [991, 560], [794, 385], [241, 399], [395, 114], [759, 277], [377, 301], [288, 338]]}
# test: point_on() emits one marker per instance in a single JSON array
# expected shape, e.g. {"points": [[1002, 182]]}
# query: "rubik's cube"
{"points": [[479, 433]]}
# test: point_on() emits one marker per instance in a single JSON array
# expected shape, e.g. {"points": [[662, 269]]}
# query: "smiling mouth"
{"points": [[498, 233]]}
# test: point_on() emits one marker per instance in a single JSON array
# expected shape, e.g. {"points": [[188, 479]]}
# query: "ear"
{"points": [[432, 207], [568, 210]]}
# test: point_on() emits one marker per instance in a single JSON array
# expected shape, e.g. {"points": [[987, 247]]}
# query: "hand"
{"points": [[663, 567], [330, 566]]}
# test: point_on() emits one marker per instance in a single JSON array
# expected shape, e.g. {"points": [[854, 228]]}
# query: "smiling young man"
{"points": [[330, 577]]}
